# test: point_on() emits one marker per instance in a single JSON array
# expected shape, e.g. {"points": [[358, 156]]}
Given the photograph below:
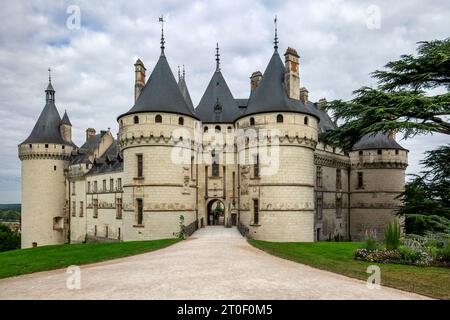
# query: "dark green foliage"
{"points": [[422, 223], [12, 214], [426, 199], [392, 235], [399, 102], [9, 239], [370, 244]]}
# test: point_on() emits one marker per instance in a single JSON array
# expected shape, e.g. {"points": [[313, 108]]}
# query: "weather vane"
{"points": [[217, 57], [275, 42], [161, 19], [49, 75]]}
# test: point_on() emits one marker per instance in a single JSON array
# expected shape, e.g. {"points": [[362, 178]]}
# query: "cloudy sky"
{"points": [[339, 42]]}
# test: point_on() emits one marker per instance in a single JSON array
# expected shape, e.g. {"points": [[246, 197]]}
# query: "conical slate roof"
{"points": [[65, 119], [271, 95], [379, 140], [185, 92], [217, 103], [161, 93], [46, 129]]}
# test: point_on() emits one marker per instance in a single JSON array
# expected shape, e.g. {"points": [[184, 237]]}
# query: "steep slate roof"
{"points": [[379, 140], [161, 93], [65, 119], [271, 95], [185, 92], [217, 103], [46, 129], [325, 122], [110, 161], [82, 154]]}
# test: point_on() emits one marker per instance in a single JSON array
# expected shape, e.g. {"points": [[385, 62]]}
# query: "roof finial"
{"points": [[161, 19], [49, 75], [184, 73], [179, 74], [275, 42], [217, 58]]}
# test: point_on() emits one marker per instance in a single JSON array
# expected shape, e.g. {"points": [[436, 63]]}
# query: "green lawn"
{"points": [[338, 257], [17, 262]]}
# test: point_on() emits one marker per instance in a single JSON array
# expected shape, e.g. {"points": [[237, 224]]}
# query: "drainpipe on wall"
{"points": [[348, 204]]}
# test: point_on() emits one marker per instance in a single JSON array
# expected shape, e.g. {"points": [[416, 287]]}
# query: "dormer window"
{"points": [[136, 120]]}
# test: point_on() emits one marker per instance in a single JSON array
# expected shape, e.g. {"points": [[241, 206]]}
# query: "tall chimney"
{"points": [[323, 104], [292, 77], [304, 95], [90, 133], [139, 80], [255, 79]]}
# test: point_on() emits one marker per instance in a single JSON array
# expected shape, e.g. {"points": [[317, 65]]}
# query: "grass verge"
{"points": [[337, 257], [23, 261]]}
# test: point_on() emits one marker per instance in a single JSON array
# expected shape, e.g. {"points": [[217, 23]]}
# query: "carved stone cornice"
{"points": [[380, 165], [44, 155], [328, 161]]}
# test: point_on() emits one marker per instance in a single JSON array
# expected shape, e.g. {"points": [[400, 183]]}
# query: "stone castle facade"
{"points": [[256, 163]]}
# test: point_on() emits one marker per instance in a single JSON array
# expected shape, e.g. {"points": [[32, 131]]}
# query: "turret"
{"points": [[45, 155], [277, 171], [377, 177], [158, 186], [66, 128]]}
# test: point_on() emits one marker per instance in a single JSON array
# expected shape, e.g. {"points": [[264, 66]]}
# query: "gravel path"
{"points": [[214, 263]]}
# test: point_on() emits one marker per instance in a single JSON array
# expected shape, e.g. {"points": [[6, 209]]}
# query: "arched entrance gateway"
{"points": [[215, 212]]}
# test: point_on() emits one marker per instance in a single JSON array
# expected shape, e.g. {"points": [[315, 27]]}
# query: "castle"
{"points": [[255, 163]]}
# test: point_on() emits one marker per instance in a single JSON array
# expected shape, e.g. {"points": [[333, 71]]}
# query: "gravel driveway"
{"points": [[214, 263]]}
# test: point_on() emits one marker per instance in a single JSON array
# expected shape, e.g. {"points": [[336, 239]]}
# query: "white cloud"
{"points": [[93, 66]]}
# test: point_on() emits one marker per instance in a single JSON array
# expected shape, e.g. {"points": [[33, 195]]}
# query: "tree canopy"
{"points": [[400, 102]]}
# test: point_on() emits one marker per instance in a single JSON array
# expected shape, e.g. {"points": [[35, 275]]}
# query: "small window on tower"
{"points": [[63, 147], [280, 118], [217, 128], [54, 168], [158, 118], [180, 121], [205, 129], [380, 151], [252, 121], [136, 119], [229, 129], [360, 153], [46, 145], [30, 145], [306, 120], [396, 152]]}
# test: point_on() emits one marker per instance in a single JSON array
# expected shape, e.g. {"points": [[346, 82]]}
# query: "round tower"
{"points": [[276, 156], [159, 178], [377, 177], [44, 155]]}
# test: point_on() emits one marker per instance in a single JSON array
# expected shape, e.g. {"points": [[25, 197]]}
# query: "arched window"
{"points": [[158, 118], [229, 129], [205, 129], [136, 119], [215, 163], [217, 129], [280, 118], [360, 153], [306, 120], [180, 121], [252, 121]]}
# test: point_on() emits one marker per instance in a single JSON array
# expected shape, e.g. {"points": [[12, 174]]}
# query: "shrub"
{"points": [[392, 235], [338, 237], [9, 239], [370, 244]]}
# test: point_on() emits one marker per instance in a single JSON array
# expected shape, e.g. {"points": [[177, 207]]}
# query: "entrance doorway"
{"points": [[215, 212]]}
